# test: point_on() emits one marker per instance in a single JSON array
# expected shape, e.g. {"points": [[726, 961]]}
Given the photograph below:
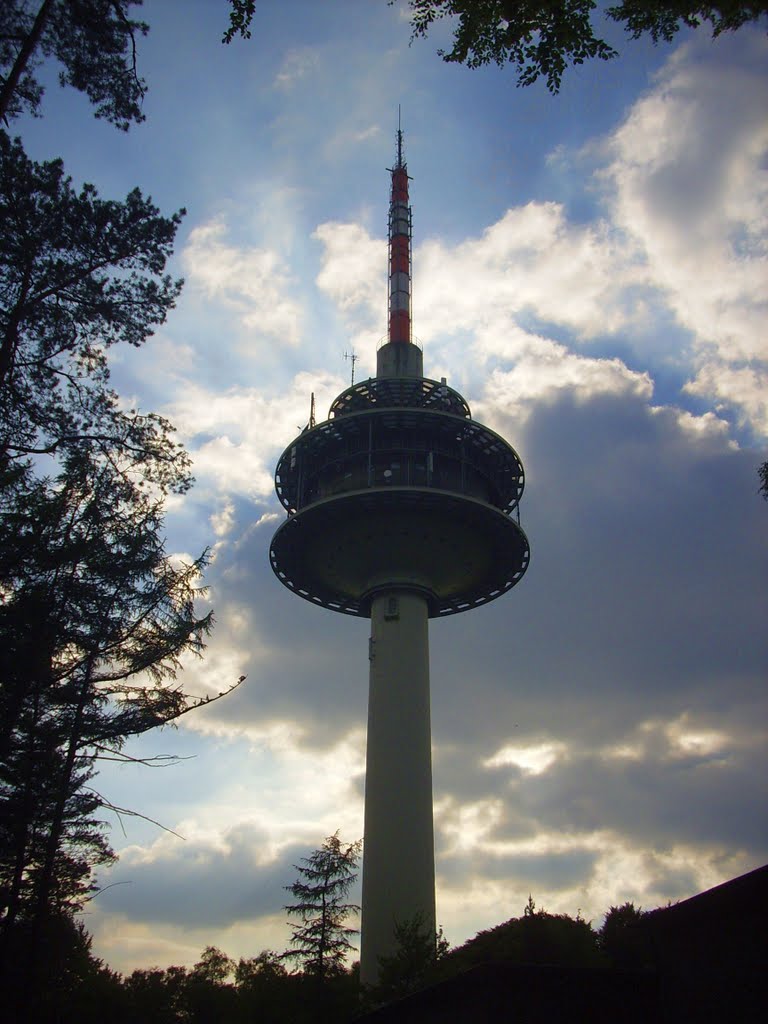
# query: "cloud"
{"points": [[543, 370], [690, 185], [222, 519], [530, 261], [215, 881], [744, 386], [531, 758], [235, 436], [254, 282], [296, 64], [352, 268]]}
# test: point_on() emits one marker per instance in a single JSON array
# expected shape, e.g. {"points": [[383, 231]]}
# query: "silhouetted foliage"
{"points": [[321, 938], [78, 275], [542, 38], [240, 16], [263, 987], [156, 996], [48, 974], [544, 965], [213, 966], [92, 41], [94, 617], [412, 965], [535, 938], [93, 622], [762, 474], [207, 996], [623, 939]]}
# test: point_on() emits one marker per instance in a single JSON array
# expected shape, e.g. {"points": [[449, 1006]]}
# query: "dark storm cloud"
{"points": [[688, 800], [550, 871], [644, 602], [645, 595], [671, 883], [201, 884]]}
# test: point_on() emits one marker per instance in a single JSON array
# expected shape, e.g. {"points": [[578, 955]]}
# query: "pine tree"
{"points": [[322, 937], [94, 619], [94, 44], [79, 275]]}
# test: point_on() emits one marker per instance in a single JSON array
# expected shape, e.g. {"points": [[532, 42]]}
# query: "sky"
{"points": [[590, 271]]}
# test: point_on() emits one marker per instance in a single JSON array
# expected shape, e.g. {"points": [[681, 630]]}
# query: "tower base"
{"points": [[398, 851]]}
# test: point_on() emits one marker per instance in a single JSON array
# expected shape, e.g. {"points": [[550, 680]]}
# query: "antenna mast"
{"points": [[400, 225], [352, 356]]}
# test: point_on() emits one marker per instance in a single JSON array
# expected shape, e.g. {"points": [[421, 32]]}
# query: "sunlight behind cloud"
{"points": [[691, 187], [539, 376], [235, 436], [353, 270], [533, 759], [253, 282]]}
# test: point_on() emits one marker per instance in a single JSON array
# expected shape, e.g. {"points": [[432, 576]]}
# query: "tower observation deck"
{"points": [[401, 508]]}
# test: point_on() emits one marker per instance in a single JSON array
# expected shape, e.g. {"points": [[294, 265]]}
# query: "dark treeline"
{"points": [[81, 988]]}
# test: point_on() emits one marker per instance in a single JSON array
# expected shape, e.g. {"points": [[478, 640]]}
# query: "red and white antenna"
{"points": [[399, 248]]}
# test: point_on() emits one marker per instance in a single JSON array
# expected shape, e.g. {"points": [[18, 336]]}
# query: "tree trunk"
{"points": [[22, 60]]}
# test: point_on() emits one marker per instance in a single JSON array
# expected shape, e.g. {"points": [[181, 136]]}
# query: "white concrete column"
{"points": [[398, 851]]}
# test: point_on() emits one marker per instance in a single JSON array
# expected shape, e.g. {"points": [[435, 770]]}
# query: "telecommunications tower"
{"points": [[400, 508]]}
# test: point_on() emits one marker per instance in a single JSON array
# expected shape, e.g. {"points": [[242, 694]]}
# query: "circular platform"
{"points": [[461, 552], [400, 392], [405, 445]]}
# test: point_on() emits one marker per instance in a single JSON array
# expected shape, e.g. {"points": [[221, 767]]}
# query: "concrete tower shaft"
{"points": [[400, 507], [399, 860]]}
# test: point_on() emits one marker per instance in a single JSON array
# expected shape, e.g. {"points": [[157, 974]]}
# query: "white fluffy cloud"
{"points": [[531, 260], [353, 272], [235, 436], [253, 282], [690, 185], [543, 370]]}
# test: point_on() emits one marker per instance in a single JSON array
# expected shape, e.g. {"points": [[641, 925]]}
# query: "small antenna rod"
{"points": [[352, 357]]}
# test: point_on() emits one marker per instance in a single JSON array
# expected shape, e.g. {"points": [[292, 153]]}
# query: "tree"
{"points": [[72, 984], [94, 43], [541, 38], [156, 996], [213, 966], [79, 275], [762, 473], [240, 18], [412, 964], [94, 617], [535, 938], [325, 878], [622, 938], [94, 621]]}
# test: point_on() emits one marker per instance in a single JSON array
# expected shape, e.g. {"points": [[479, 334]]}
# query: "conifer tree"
{"points": [[93, 43], [321, 938], [93, 623]]}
